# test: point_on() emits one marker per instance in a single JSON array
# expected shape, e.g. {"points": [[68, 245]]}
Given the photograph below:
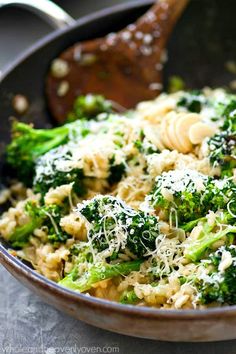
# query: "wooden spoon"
{"points": [[125, 67]]}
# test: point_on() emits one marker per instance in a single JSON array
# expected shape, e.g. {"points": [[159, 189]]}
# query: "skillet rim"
{"points": [[60, 32], [14, 263]]}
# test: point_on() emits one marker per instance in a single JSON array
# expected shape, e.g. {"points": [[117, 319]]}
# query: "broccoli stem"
{"points": [[49, 145], [44, 139], [19, 127], [21, 234], [98, 273], [191, 224], [197, 248], [38, 216], [129, 298]]}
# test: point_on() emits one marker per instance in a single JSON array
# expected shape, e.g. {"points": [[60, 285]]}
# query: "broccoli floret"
{"points": [[89, 106], [219, 285], [55, 233], [117, 171], [115, 226], [222, 152], [96, 273], [38, 216], [193, 101], [222, 146], [189, 194], [54, 169], [144, 146], [28, 144], [229, 116], [61, 166], [21, 234], [175, 84]]}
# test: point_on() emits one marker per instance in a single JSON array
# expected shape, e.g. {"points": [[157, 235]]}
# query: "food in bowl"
{"points": [[136, 207]]}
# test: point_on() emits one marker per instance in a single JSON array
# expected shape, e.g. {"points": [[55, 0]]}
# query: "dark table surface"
{"points": [[27, 325]]}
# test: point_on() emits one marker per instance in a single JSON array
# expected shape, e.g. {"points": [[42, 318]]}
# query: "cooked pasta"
{"points": [[138, 208]]}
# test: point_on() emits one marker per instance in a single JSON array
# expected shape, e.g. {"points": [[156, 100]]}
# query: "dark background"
{"points": [[27, 325]]}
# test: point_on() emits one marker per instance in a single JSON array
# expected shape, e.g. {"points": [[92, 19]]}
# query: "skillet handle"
{"points": [[46, 9]]}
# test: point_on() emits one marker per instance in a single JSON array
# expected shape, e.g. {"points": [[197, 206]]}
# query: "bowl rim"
{"points": [[11, 262], [8, 260]]}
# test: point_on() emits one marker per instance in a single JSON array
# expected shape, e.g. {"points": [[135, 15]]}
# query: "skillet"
{"points": [[201, 44]]}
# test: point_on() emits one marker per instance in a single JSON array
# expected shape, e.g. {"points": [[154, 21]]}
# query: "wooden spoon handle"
{"points": [[125, 67], [162, 16], [150, 30], [146, 39], [159, 21]]}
